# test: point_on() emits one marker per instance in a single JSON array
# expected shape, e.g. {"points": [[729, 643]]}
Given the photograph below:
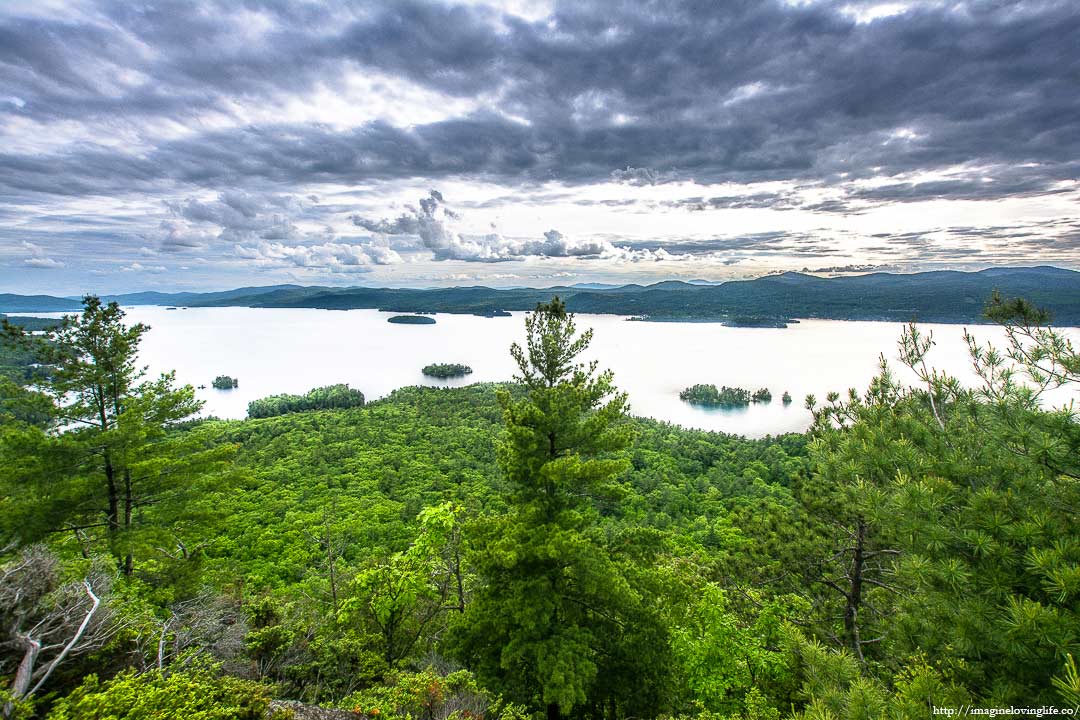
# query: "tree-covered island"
{"points": [[224, 382], [710, 395], [446, 370], [411, 320]]}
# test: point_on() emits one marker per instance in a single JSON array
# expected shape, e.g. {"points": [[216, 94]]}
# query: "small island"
{"points": [[710, 396], [727, 397], [446, 370], [786, 399], [224, 382], [492, 313], [411, 320], [756, 321]]}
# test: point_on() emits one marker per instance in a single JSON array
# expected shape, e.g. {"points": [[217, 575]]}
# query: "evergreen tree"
{"points": [[553, 610], [109, 452]]}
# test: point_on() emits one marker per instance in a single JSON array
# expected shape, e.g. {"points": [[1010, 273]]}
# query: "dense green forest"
{"points": [[533, 550]]}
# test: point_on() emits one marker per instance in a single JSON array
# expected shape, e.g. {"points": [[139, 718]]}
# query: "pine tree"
{"points": [[547, 620], [110, 451]]}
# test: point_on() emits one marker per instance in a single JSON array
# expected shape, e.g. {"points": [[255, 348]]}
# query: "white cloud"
{"points": [[440, 230], [333, 256], [43, 263], [138, 267], [38, 258]]}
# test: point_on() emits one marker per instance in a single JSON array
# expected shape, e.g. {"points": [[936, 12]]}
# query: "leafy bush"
{"points": [[198, 693], [427, 696]]}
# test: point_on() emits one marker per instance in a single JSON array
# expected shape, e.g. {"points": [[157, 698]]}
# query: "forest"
{"points": [[533, 550]]}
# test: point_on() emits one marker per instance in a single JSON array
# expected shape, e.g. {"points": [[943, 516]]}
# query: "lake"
{"points": [[275, 351]]}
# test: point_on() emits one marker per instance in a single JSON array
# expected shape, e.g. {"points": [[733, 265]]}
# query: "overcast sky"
{"points": [[208, 145]]}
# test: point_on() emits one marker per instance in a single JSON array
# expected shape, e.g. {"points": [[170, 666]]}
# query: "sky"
{"points": [[202, 145]]}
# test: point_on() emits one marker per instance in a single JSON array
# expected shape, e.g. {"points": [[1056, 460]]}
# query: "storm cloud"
{"points": [[231, 121]]}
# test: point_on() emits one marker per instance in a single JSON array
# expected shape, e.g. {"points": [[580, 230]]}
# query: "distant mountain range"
{"points": [[942, 296]]}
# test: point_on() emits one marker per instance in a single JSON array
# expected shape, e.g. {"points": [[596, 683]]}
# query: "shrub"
{"points": [[196, 693]]}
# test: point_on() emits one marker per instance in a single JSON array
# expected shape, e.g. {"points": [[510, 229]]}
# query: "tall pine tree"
{"points": [[553, 611]]}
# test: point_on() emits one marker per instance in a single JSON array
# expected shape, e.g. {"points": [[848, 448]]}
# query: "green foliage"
{"points": [[429, 696], [919, 548], [959, 502], [31, 324], [728, 655], [446, 370], [323, 398], [724, 397], [555, 620], [763, 395], [199, 693], [108, 465], [224, 382]]}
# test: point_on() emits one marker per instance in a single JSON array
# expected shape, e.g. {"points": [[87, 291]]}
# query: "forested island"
{"points": [[753, 321], [224, 382], [446, 370], [411, 320], [727, 397], [532, 551], [324, 398], [768, 301], [30, 324]]}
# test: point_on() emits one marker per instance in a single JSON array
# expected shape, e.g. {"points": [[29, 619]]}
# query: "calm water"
{"points": [[292, 350]]}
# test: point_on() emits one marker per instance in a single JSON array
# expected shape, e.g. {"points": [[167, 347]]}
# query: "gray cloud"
{"points": [[206, 105], [607, 89]]}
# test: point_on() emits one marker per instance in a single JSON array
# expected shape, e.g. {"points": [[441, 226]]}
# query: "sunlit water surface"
{"points": [[275, 351]]}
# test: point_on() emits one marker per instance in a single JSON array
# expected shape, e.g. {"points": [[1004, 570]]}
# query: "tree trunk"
{"points": [[854, 596], [129, 504], [553, 711], [112, 518], [24, 674]]}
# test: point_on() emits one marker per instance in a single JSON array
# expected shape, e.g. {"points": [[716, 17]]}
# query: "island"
{"points": [[762, 396], [708, 395], [411, 320], [224, 382], [492, 313], [754, 321], [446, 370], [322, 398], [786, 399]]}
